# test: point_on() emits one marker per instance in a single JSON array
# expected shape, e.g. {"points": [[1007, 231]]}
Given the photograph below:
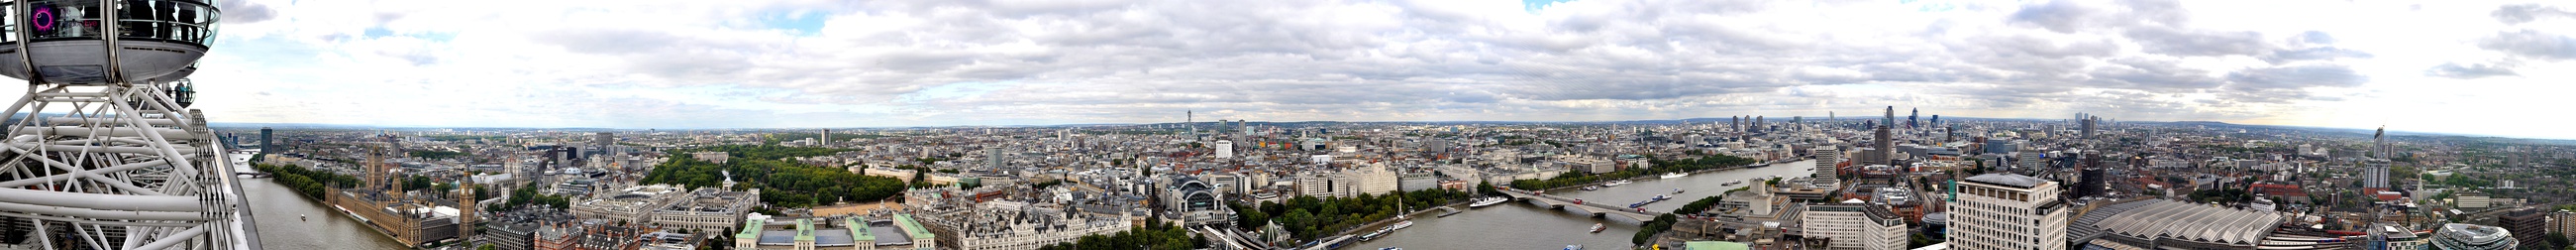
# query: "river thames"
{"points": [[1526, 225], [278, 209]]}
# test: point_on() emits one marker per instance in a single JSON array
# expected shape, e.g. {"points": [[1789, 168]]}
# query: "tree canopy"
{"points": [[783, 183], [1307, 217]]}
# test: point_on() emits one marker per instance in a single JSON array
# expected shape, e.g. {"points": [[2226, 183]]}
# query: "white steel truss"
{"points": [[120, 166]]}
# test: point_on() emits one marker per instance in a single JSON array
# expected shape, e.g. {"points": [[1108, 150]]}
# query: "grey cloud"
{"points": [[2035, 46], [2294, 77], [1732, 39], [2318, 53], [388, 17], [2161, 12], [2139, 105], [2152, 74], [2313, 37], [2062, 16], [417, 58], [1911, 72], [2469, 71], [2067, 16], [2524, 13], [1560, 65], [2158, 26], [245, 12], [1098, 60], [2163, 40], [606, 41], [2532, 44]]}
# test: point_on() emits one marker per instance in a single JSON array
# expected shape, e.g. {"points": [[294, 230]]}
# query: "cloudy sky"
{"points": [[2470, 67]]}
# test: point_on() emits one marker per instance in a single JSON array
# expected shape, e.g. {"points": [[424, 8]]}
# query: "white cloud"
{"points": [[678, 64]]}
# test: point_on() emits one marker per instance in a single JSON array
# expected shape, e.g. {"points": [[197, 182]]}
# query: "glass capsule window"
{"points": [[182, 21]]}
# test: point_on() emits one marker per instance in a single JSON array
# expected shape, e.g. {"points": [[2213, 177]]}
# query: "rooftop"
{"points": [[833, 237], [777, 238], [2013, 180], [2153, 219], [888, 234], [858, 229], [1715, 245], [2473, 233]]}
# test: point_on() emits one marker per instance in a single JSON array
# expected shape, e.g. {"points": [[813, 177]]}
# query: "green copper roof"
{"points": [[805, 230], [911, 227], [858, 229], [750, 229]]}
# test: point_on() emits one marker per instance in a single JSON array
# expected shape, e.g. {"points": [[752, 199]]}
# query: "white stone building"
{"points": [[1854, 225], [2007, 212]]}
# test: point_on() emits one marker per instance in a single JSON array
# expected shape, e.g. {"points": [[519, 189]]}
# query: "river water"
{"points": [[321, 227], [1526, 225]]}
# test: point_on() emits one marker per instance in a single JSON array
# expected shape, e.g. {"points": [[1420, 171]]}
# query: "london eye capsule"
{"points": [[184, 93], [90, 42]]}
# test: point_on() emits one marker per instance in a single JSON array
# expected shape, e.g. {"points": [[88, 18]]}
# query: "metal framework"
{"points": [[117, 167], [113, 161]]}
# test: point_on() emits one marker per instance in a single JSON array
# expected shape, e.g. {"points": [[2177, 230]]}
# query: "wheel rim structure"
{"points": [[116, 167], [102, 152]]}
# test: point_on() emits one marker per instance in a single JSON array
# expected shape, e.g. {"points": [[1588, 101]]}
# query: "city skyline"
{"points": [[733, 64]]}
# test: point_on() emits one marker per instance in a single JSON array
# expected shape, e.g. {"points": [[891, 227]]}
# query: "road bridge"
{"points": [[1594, 207]]}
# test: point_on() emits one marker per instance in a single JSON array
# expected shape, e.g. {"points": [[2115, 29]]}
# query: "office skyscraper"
{"points": [[2000, 146], [2374, 170], [2089, 174], [2374, 174], [267, 140], [1911, 116], [2532, 223], [1224, 149], [993, 158], [2379, 143], [2007, 212], [1886, 148], [1826, 157], [1947, 134], [2088, 127]]}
